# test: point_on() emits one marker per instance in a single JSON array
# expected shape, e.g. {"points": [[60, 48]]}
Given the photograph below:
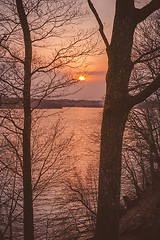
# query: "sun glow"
{"points": [[81, 78]]}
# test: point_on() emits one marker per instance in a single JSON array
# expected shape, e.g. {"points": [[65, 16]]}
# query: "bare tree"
{"points": [[141, 145], [51, 162], [79, 204], [28, 28], [141, 141], [118, 103]]}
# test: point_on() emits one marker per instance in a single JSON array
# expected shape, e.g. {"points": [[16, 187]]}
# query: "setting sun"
{"points": [[82, 78]]}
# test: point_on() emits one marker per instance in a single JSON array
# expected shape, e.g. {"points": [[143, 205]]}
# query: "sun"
{"points": [[81, 78]]}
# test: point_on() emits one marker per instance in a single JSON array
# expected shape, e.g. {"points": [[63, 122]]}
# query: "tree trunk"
{"points": [[27, 185], [110, 174], [27, 182], [116, 109]]}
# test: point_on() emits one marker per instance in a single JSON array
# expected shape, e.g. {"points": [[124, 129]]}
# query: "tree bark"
{"points": [[27, 184], [116, 110], [110, 175]]}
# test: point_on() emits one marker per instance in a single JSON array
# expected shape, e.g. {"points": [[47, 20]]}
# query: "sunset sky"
{"points": [[93, 88]]}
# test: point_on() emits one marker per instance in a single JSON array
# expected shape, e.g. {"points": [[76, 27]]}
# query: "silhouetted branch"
{"points": [[147, 91], [143, 13], [141, 58], [101, 28], [137, 86]]}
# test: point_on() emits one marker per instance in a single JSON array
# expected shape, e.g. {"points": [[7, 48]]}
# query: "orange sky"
{"points": [[94, 86], [95, 70]]}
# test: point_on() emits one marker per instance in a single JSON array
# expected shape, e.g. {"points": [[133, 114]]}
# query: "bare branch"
{"points": [[151, 7], [12, 55], [141, 60], [101, 28], [82, 200], [147, 91], [137, 86]]}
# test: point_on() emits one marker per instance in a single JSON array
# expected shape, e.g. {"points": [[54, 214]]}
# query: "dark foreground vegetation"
{"points": [[142, 220]]}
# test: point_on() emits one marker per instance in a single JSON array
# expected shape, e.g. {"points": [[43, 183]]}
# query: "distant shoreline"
{"points": [[12, 103]]}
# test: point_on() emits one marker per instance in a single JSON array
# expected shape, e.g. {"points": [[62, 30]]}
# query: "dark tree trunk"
{"points": [[110, 174], [27, 183], [116, 110]]}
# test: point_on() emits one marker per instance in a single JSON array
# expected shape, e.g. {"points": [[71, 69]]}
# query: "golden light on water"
{"points": [[81, 78]]}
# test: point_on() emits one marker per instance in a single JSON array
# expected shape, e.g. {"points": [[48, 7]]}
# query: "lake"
{"points": [[85, 125], [82, 123], [82, 158]]}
